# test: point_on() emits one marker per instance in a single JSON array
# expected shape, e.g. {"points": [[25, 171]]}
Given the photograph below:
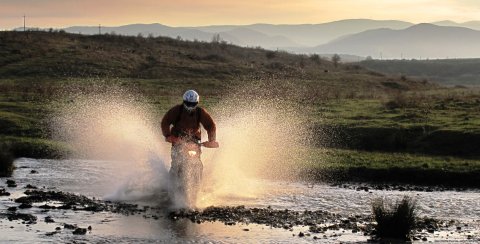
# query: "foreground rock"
{"points": [[316, 221], [286, 219], [27, 218], [3, 192], [75, 202]]}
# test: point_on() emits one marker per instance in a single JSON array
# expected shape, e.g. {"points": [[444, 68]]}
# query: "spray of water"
{"points": [[115, 128], [259, 137]]}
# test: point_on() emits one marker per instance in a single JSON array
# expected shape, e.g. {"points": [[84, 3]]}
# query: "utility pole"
{"points": [[24, 23], [99, 29]]}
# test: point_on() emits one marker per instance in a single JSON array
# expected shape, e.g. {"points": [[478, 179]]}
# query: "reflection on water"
{"points": [[91, 178]]}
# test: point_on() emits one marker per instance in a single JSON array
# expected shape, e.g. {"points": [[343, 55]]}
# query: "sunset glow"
{"points": [[63, 13]]}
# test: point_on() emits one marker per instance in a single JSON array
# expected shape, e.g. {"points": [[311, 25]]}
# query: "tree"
{"points": [[216, 38], [335, 59], [315, 58]]}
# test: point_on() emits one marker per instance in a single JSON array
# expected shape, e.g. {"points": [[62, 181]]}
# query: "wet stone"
{"points": [[11, 183], [25, 205], [28, 218], [51, 233], [49, 219], [80, 231], [45, 206], [4, 193], [30, 187], [69, 226]]}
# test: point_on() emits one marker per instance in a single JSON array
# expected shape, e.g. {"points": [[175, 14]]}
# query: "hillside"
{"points": [[423, 40], [444, 71], [44, 54]]}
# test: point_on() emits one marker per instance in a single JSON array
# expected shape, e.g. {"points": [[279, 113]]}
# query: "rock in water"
{"points": [[49, 219], [69, 226], [25, 205], [80, 231]]}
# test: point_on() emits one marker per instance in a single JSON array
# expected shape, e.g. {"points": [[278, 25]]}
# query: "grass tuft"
{"points": [[394, 220]]}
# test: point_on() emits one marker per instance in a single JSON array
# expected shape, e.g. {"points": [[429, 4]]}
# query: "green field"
{"points": [[361, 122]]}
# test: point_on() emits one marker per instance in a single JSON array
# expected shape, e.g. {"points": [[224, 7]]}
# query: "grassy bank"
{"points": [[438, 122], [336, 165], [445, 71]]}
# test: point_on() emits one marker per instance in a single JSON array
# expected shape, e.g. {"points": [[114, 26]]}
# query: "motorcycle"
{"points": [[186, 172]]}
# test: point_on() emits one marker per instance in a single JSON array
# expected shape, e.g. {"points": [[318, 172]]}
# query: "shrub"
{"points": [[270, 54], [335, 60], [394, 220], [6, 161], [315, 58]]}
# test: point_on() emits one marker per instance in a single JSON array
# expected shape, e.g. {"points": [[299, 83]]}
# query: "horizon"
{"points": [[247, 24], [183, 13]]}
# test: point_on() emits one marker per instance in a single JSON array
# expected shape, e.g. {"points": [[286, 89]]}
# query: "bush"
{"points": [[394, 220], [6, 161], [270, 54]]}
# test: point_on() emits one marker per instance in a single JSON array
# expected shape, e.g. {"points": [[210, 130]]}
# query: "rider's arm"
{"points": [[208, 124], [167, 120]]}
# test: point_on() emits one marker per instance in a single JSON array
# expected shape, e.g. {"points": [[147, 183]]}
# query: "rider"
{"points": [[182, 124]]}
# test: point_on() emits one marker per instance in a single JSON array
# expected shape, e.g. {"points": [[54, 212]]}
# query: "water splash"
{"points": [[259, 137], [116, 128]]}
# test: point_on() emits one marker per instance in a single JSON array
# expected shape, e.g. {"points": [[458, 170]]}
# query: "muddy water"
{"points": [[91, 178]]}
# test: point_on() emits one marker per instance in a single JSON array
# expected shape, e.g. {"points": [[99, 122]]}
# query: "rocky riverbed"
{"points": [[316, 224], [61, 208]]}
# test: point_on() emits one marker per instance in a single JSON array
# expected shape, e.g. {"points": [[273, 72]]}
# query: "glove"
{"points": [[172, 139], [211, 144]]}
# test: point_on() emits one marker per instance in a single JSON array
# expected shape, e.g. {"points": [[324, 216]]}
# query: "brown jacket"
{"points": [[188, 124]]}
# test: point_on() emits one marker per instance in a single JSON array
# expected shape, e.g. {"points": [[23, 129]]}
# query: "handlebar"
{"points": [[207, 144]]}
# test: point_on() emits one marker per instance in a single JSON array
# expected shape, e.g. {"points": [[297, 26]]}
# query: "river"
{"points": [[92, 179]]}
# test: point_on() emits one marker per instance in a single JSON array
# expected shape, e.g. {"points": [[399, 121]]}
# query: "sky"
{"points": [[64, 13]]}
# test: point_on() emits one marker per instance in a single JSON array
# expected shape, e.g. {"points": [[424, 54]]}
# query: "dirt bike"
{"points": [[186, 172]]}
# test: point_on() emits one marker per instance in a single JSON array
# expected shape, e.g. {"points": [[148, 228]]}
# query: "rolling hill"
{"points": [[56, 54]]}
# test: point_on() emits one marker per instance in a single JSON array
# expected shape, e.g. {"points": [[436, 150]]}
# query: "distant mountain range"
{"points": [[418, 41], [355, 37]]}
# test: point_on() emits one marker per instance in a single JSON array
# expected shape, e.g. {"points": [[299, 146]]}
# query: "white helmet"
{"points": [[190, 100]]}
